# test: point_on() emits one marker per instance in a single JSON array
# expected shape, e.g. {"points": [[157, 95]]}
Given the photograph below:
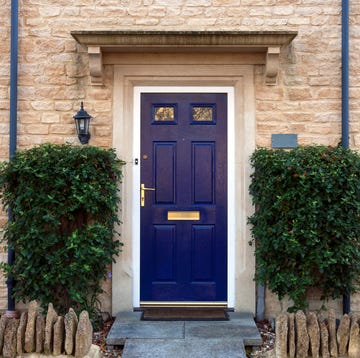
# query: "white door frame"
{"points": [[138, 90]]}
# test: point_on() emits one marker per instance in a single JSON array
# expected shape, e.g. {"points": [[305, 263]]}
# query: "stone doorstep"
{"points": [[184, 336], [180, 348]]}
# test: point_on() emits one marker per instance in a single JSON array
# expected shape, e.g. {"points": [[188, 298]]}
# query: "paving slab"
{"points": [[128, 325], [196, 339], [240, 325], [184, 348]]}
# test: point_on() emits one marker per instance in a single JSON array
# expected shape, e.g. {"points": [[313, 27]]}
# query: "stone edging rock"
{"points": [[34, 335], [303, 335]]}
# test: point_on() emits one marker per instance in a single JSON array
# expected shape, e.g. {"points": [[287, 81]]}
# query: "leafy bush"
{"points": [[64, 205], [306, 224]]}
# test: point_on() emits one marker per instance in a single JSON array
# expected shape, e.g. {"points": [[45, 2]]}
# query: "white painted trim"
{"points": [[231, 180]]}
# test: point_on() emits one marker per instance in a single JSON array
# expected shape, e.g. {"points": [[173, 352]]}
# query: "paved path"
{"points": [[183, 339]]}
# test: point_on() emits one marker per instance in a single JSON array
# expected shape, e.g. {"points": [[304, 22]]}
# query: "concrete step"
{"points": [[184, 348], [159, 339]]}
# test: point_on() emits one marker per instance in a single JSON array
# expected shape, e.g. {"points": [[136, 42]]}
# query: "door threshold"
{"points": [[149, 304]]}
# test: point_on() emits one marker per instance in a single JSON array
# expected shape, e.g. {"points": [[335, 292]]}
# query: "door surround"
{"points": [[238, 81]]}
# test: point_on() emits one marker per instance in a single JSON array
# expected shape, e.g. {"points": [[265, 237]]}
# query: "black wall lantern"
{"points": [[82, 123]]}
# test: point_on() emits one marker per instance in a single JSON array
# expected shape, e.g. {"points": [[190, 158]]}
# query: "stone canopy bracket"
{"points": [[272, 65], [152, 41], [95, 65]]}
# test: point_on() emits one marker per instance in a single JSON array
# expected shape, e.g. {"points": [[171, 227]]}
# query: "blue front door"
{"points": [[183, 243]]}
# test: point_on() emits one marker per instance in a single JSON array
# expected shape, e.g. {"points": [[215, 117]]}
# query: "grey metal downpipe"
{"points": [[13, 129], [345, 97], [345, 74], [260, 303]]}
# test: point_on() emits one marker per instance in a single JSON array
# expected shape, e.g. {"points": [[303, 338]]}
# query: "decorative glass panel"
{"points": [[203, 113], [164, 113]]}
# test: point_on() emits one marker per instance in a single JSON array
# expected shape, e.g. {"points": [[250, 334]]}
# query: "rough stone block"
{"points": [[40, 333], [20, 339], [332, 333], [83, 335], [59, 329], [292, 346], [343, 334], [94, 352], [302, 337], [3, 322], [281, 336], [314, 334], [324, 339], [71, 323], [9, 349], [30, 327], [51, 318], [354, 342]]}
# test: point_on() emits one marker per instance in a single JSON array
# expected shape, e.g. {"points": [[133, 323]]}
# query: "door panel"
{"points": [[203, 156], [183, 243], [164, 172]]}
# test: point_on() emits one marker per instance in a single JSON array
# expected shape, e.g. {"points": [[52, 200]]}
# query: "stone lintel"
{"points": [[269, 42]]}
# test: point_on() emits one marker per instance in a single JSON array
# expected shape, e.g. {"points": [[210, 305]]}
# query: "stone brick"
{"points": [[169, 3], [42, 105], [284, 10], [198, 3], [138, 12], [37, 129], [62, 129], [296, 94], [50, 118], [159, 11], [226, 2]]}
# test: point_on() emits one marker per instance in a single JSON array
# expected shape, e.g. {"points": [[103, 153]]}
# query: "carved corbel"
{"points": [[95, 65], [272, 65]]}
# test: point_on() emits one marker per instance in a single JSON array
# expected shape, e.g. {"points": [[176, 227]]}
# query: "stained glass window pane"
{"points": [[202, 113], [165, 113]]}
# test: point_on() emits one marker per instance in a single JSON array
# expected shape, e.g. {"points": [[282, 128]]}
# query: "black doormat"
{"points": [[184, 314]]}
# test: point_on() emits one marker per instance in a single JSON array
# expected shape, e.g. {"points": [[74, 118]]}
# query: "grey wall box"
{"points": [[284, 140]]}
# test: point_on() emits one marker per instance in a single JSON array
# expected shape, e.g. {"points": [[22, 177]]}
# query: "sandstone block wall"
{"points": [[52, 335], [54, 76], [312, 335]]}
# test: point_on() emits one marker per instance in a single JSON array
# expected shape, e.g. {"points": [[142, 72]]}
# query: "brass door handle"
{"points": [[142, 194]]}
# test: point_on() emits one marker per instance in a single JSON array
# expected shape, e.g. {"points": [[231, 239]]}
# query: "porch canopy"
{"points": [[266, 45]]}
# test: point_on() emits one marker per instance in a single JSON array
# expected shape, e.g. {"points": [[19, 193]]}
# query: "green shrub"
{"points": [[64, 203], [306, 224]]}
